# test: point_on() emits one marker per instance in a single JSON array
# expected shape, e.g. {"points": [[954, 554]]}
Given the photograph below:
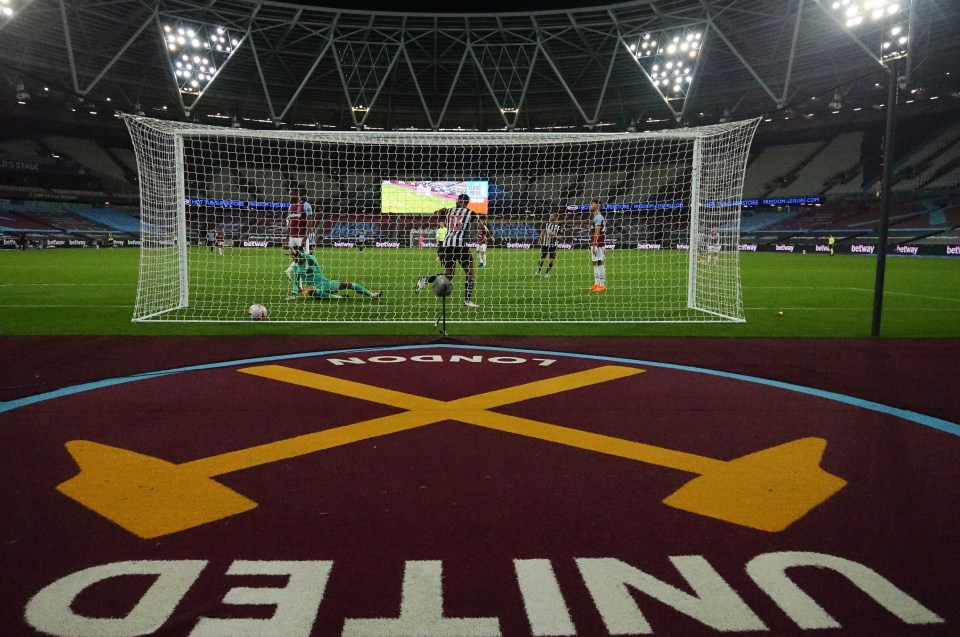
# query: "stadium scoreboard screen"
{"points": [[424, 197]]}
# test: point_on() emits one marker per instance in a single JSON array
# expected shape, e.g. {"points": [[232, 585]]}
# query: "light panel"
{"points": [[888, 19], [669, 57], [196, 52]]}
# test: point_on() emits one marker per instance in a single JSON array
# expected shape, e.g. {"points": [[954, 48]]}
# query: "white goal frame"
{"points": [[717, 162]]}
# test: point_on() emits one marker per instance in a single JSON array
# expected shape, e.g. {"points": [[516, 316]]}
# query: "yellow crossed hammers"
{"points": [[150, 497]]}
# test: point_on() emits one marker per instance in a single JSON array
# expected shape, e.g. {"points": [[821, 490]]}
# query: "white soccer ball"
{"points": [[257, 312], [442, 286]]}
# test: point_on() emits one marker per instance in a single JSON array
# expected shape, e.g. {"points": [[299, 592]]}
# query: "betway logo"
{"points": [[78, 242], [821, 248], [747, 247], [907, 249], [388, 244], [862, 249], [953, 250], [648, 246], [342, 244], [518, 245], [254, 244], [781, 247]]}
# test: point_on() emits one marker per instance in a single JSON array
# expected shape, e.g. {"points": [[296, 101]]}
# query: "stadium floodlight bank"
{"points": [[670, 199]]}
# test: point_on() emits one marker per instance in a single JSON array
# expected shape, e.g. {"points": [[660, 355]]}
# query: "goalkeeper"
{"points": [[308, 278]]}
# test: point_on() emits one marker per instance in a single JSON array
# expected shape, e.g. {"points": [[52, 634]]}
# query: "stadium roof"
{"points": [[555, 65]]}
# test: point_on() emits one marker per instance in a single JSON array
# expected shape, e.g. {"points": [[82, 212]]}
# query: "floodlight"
{"points": [[666, 69], [186, 42]]}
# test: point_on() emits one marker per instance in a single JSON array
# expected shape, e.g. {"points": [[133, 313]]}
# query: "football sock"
{"points": [[596, 275], [549, 267], [469, 292], [602, 275], [356, 287]]}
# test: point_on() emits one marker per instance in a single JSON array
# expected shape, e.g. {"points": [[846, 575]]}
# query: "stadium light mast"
{"points": [[892, 19]]}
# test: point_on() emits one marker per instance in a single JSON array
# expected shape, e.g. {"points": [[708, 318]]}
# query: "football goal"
{"points": [[322, 226]]}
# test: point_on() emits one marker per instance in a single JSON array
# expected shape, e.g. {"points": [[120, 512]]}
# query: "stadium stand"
{"points": [[126, 156], [937, 141], [352, 229], [13, 222], [949, 178], [775, 162], [840, 154], [925, 172], [109, 218], [763, 220], [506, 231], [67, 221], [22, 150], [93, 158]]}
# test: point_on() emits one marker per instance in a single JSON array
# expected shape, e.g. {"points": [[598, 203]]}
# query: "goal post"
{"points": [[216, 205]]}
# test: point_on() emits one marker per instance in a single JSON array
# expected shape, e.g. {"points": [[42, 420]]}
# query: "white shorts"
{"points": [[298, 242], [481, 247], [597, 253], [713, 248]]}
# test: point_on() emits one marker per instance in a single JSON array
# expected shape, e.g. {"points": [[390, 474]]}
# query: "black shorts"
{"points": [[452, 255], [548, 251]]}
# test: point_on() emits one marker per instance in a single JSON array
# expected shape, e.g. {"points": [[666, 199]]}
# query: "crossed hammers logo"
{"points": [[766, 490]]}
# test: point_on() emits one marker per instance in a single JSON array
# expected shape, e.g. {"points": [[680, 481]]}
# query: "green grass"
{"points": [[93, 292]]}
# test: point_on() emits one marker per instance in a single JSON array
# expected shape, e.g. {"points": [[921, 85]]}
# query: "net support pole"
{"points": [[694, 240], [888, 144], [181, 204]]}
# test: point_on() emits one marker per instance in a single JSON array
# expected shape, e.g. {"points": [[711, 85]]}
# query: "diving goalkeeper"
{"points": [[308, 278]]}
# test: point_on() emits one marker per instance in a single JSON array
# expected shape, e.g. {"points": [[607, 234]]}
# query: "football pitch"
{"points": [[50, 292]]}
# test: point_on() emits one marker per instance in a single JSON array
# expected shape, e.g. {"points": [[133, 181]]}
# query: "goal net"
{"points": [[220, 208]]}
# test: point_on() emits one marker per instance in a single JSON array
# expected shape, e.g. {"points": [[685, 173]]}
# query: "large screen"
{"points": [[423, 197]]}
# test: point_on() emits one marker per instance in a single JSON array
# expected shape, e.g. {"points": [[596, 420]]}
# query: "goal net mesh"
{"points": [[216, 229]]}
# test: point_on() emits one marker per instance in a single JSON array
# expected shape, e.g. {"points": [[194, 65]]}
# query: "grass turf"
{"points": [[92, 292]]}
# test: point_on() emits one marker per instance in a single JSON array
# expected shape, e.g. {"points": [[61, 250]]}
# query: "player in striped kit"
{"points": [[598, 247], [548, 243], [459, 221]]}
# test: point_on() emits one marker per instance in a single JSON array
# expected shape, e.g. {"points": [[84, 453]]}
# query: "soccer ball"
{"points": [[442, 286], [257, 312]]}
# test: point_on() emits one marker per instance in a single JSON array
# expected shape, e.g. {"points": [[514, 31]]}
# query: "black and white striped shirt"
{"points": [[551, 231], [459, 227]]}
